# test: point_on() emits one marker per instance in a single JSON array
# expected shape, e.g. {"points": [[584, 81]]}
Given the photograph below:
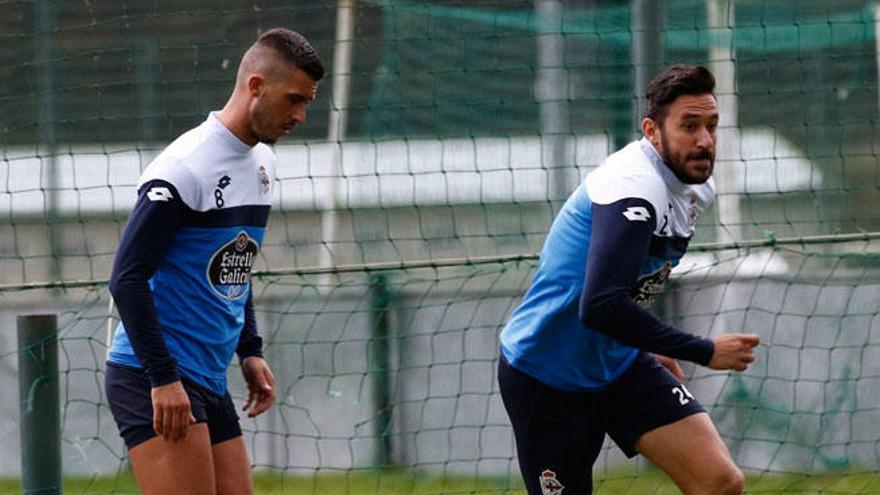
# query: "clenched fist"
{"points": [[734, 351]]}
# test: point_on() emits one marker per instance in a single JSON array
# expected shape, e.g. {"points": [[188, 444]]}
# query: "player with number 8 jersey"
{"points": [[209, 195], [182, 280]]}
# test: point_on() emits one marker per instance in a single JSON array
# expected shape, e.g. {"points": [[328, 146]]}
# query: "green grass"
{"points": [[353, 483], [414, 483], [655, 482]]}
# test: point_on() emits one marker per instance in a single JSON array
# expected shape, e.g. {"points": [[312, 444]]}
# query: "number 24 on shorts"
{"points": [[684, 395]]}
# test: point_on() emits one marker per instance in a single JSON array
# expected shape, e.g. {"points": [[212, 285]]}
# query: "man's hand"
{"points": [[172, 414], [671, 365], [261, 385], [733, 351]]}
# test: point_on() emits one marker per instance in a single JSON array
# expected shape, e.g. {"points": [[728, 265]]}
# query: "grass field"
{"points": [[413, 483]]}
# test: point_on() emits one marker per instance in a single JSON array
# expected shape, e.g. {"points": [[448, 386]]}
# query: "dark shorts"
{"points": [[559, 434], [128, 393]]}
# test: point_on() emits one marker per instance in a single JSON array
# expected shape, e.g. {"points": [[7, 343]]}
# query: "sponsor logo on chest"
{"points": [[229, 271], [649, 286]]}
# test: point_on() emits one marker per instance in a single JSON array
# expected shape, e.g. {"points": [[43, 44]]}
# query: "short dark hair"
{"points": [[295, 48], [673, 82]]}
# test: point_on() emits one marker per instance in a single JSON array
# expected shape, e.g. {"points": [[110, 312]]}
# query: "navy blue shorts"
{"points": [[128, 393], [559, 434]]}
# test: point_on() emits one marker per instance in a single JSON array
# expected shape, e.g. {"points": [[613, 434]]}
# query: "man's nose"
{"points": [[705, 138], [299, 114]]}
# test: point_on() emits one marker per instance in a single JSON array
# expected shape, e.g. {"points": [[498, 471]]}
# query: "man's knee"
{"points": [[727, 481], [732, 482]]}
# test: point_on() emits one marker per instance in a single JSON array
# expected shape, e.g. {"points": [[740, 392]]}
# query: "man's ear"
{"points": [[651, 130], [255, 84]]}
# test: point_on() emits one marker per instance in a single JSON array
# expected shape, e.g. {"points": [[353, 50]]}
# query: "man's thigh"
{"points": [[657, 416], [129, 396], [162, 467], [692, 453], [222, 417], [643, 399], [232, 467], [558, 435]]}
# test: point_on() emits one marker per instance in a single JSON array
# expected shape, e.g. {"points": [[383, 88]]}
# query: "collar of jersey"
{"points": [[226, 134], [668, 175]]}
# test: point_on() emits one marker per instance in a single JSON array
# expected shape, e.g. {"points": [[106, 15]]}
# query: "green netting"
{"points": [[758, 27], [386, 380], [394, 257]]}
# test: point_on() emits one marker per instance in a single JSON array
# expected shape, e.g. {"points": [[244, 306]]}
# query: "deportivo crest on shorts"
{"points": [[549, 484], [229, 271], [263, 179]]}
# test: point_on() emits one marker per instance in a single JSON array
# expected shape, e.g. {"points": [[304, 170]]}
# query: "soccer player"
{"points": [[581, 356], [181, 280]]}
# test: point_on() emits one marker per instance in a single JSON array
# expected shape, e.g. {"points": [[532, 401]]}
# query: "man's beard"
{"points": [[258, 124], [678, 168]]}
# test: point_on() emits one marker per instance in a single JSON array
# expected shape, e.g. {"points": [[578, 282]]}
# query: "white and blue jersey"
{"points": [[181, 278], [609, 252]]}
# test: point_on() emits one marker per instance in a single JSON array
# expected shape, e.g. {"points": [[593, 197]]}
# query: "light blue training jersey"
{"points": [[217, 191], [633, 189]]}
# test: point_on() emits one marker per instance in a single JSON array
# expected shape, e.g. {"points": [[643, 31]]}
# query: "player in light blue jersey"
{"points": [[582, 356], [181, 280]]}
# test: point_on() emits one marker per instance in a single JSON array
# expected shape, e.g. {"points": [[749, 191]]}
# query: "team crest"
{"points": [[241, 242], [229, 271], [549, 484], [693, 212], [263, 179]]}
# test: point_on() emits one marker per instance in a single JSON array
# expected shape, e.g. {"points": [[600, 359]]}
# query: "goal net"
{"points": [[410, 209]]}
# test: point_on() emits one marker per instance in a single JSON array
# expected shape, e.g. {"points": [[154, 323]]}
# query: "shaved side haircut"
{"points": [[280, 44]]}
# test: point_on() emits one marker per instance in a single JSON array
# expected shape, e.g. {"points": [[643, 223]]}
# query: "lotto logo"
{"points": [[637, 214], [159, 194], [218, 193]]}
